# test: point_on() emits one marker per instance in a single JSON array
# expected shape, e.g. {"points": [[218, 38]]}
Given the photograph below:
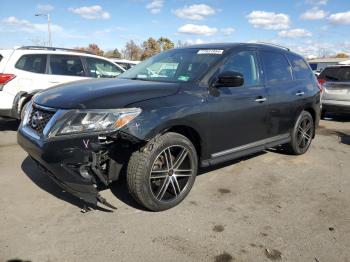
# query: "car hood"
{"points": [[103, 94]]}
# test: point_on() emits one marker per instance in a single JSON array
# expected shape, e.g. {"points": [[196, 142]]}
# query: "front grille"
{"points": [[39, 118]]}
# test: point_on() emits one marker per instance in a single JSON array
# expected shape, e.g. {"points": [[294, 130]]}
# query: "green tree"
{"points": [[113, 54], [165, 43], [151, 47]]}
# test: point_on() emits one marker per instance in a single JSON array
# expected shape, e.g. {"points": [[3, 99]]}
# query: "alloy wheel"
{"points": [[304, 133], [171, 173]]}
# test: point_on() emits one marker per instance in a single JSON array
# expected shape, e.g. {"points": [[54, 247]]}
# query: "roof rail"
{"points": [[53, 49], [270, 44]]}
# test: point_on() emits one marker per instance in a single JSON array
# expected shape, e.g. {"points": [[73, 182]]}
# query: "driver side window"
{"points": [[244, 62]]}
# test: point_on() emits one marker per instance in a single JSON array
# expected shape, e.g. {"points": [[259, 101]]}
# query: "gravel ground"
{"points": [[266, 207]]}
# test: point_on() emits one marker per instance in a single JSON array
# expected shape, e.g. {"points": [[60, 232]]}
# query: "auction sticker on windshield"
{"points": [[210, 52]]}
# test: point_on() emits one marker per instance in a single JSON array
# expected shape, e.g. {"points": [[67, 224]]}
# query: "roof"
{"points": [[226, 46], [118, 60], [327, 60]]}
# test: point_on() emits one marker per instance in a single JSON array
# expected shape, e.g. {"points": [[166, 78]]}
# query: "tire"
{"points": [[302, 134], [161, 174]]}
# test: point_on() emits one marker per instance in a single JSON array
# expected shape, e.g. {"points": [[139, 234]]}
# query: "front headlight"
{"points": [[88, 121]]}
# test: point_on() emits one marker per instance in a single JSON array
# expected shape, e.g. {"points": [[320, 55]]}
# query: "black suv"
{"points": [[158, 122]]}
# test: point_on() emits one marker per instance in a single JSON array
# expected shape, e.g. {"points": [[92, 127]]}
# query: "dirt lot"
{"points": [[295, 207]]}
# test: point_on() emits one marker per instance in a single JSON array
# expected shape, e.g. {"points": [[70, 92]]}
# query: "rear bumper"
{"points": [[335, 106], [61, 160], [6, 112]]}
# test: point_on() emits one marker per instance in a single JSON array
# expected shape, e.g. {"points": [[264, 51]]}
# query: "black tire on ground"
{"points": [[302, 134], [161, 174]]}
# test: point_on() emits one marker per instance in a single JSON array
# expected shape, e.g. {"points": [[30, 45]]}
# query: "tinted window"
{"points": [[300, 68], [66, 65], [126, 66], [335, 74], [313, 66], [100, 68], [32, 63], [276, 66], [176, 65], [245, 63]]}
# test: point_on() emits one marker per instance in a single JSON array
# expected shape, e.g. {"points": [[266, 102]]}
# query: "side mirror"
{"points": [[229, 79]]}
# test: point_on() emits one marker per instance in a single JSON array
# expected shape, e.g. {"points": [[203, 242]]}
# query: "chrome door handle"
{"points": [[260, 100], [300, 94]]}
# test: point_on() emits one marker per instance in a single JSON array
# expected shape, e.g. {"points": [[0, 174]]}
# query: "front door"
{"points": [[238, 114]]}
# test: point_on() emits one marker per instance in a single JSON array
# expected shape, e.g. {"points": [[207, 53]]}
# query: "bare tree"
{"points": [[132, 51], [342, 55], [92, 48]]}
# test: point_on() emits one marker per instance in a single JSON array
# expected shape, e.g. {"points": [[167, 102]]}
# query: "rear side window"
{"points": [[276, 67], [32, 63], [0, 58], [66, 65], [300, 68], [336, 74], [99, 68]]}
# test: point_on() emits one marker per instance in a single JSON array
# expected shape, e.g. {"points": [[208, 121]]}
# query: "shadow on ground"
{"points": [[119, 188], [343, 137], [337, 117], [45, 183], [7, 124]]}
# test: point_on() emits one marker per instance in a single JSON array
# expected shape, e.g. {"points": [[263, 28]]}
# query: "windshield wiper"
{"points": [[138, 78]]}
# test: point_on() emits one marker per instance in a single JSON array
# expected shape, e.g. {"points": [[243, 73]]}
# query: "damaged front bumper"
{"points": [[77, 164]]}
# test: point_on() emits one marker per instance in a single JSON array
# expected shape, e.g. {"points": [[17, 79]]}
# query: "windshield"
{"points": [[177, 65], [336, 74]]}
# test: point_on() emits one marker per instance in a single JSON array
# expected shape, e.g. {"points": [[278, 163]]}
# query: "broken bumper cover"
{"points": [[61, 160]]}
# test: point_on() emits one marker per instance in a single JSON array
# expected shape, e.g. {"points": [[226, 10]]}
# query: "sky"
{"points": [[309, 27]]}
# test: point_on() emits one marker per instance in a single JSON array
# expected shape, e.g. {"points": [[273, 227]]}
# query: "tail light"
{"points": [[5, 78], [320, 84]]}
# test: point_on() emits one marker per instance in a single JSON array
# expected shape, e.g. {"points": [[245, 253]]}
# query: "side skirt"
{"points": [[245, 150]]}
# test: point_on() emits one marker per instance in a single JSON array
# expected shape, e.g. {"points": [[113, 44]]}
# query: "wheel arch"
{"points": [[21, 99]]}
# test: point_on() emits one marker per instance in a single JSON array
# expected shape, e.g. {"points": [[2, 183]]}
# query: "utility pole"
{"points": [[48, 25]]}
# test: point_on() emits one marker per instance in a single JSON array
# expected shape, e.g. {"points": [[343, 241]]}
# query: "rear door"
{"points": [[336, 83], [30, 72], [65, 68], [283, 93]]}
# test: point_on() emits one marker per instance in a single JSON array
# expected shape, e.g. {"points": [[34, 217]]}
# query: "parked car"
{"points": [[318, 64], [126, 64], [335, 81], [224, 101], [26, 70]]}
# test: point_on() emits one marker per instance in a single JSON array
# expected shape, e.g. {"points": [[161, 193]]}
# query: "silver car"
{"points": [[335, 81]]}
